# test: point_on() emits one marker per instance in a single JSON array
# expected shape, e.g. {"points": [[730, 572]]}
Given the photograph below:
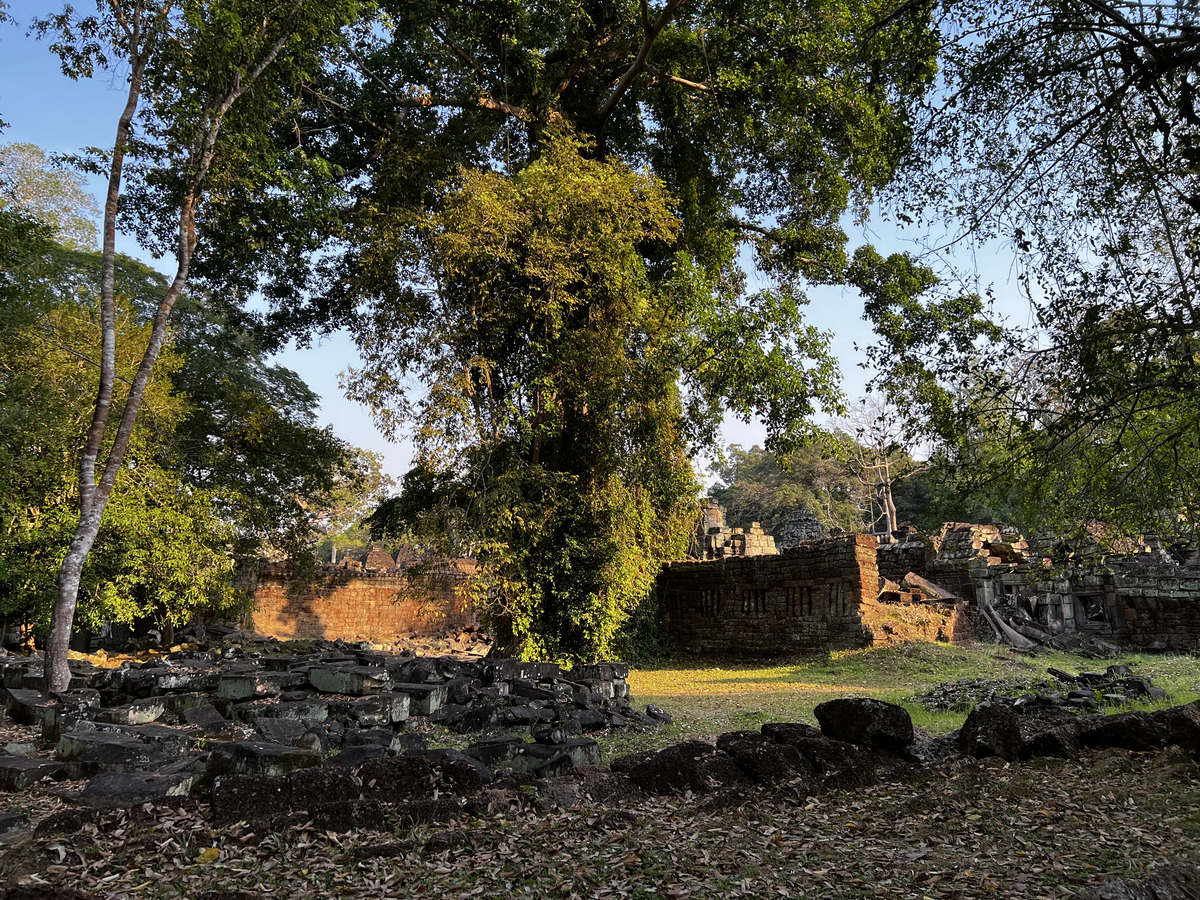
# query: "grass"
{"points": [[707, 699]]}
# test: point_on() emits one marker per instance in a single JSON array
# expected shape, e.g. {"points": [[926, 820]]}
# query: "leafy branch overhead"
{"points": [[1069, 130]]}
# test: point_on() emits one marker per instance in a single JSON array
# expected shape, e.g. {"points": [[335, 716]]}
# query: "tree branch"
{"points": [[652, 32]]}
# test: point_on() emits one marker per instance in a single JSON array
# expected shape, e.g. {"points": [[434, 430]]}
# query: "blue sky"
{"points": [[43, 107]]}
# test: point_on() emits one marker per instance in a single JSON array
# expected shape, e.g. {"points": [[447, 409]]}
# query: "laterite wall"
{"points": [[805, 599], [358, 605]]}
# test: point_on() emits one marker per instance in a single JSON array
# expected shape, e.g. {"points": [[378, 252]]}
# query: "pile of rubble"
{"points": [[1116, 686], [172, 725]]}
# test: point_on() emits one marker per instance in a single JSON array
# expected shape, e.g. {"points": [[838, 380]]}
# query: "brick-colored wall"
{"points": [[805, 599], [358, 605]]}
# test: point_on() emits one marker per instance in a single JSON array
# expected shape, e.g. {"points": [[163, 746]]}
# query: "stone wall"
{"points": [[1161, 606], [355, 604], [804, 599], [898, 559]]}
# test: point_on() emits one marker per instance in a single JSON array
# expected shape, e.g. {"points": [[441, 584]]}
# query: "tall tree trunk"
{"points": [[94, 494], [92, 498]]}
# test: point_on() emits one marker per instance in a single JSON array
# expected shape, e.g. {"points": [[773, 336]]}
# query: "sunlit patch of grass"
{"points": [[708, 698]]}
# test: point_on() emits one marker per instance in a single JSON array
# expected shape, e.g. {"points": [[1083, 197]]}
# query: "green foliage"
{"points": [[163, 552], [58, 198], [251, 438], [560, 336], [1070, 130], [550, 432], [248, 437], [756, 488]]}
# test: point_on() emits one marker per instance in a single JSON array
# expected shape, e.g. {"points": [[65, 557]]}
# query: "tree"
{"points": [[549, 431], [198, 64], [879, 455], [759, 123], [226, 460], [757, 488], [251, 439], [1070, 129], [57, 198], [163, 550]]}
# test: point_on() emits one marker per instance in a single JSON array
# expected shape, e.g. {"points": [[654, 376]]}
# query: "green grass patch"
{"points": [[708, 697]]}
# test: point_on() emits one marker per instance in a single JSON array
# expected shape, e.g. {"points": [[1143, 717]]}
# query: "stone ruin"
{"points": [[716, 541], [817, 596], [383, 777], [177, 724], [965, 582], [800, 525], [374, 599]]}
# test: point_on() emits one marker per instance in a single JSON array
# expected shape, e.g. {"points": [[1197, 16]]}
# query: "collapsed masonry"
{"points": [[970, 580], [715, 541]]}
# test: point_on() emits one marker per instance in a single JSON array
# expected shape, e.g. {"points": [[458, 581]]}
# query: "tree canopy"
{"points": [[57, 197], [207, 83], [1068, 131], [536, 229]]}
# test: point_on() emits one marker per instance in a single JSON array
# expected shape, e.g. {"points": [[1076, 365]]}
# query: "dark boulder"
{"points": [[763, 760], [866, 721], [691, 766], [1129, 731], [991, 729], [836, 762]]}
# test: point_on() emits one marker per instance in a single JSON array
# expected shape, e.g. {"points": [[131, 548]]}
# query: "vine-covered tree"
{"points": [[757, 124]]}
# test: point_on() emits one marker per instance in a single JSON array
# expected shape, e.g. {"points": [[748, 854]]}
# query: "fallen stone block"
{"points": [[258, 758], [514, 669], [424, 699], [763, 760], [18, 772], [250, 685], [833, 761], [1129, 731], [124, 790], [356, 755], [991, 729], [280, 731], [372, 711], [206, 718], [457, 772], [530, 691], [866, 721], [139, 712], [349, 815], [301, 710], [180, 678], [691, 766], [935, 591], [26, 707], [94, 752], [175, 742], [354, 681], [319, 786]]}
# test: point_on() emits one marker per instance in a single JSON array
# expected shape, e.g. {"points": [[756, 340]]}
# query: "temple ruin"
{"points": [[375, 599], [739, 594]]}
